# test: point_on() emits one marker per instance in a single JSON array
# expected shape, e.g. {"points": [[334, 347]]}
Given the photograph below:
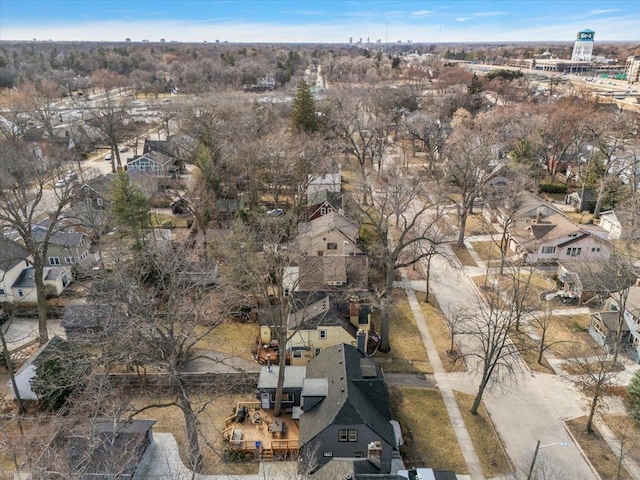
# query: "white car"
{"points": [[60, 183], [108, 156], [123, 149]]}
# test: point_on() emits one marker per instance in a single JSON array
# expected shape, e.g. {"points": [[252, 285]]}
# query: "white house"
{"points": [[620, 224], [327, 181]]}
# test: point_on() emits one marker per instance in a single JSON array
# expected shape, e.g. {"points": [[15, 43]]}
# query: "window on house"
{"points": [[322, 334], [574, 251], [68, 259], [327, 454], [595, 249], [357, 455], [286, 397], [636, 342], [297, 354], [88, 201], [99, 202], [548, 249], [1, 291], [54, 261], [323, 211], [84, 255], [332, 246], [347, 435], [573, 235], [316, 352], [20, 293]]}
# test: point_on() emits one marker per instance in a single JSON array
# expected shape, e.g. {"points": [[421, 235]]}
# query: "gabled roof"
{"points": [[153, 156], [100, 184], [315, 272], [328, 222], [11, 254], [354, 468], [610, 320], [357, 394], [59, 238]]}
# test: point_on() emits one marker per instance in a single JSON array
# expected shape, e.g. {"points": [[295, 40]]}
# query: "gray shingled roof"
{"points": [[60, 238], [11, 254], [351, 400]]}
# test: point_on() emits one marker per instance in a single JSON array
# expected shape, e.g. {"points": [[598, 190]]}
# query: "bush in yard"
{"points": [[552, 188], [58, 375], [633, 401]]}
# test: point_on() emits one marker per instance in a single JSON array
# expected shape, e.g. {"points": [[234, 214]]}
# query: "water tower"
{"points": [[583, 46]]}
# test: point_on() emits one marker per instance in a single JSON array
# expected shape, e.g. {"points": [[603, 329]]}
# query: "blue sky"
{"points": [[318, 21]]}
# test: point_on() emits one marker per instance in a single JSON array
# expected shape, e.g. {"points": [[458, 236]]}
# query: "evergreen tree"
{"points": [[130, 208], [303, 115], [476, 85], [633, 404]]}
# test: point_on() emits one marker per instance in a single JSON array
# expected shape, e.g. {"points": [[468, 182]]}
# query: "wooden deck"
{"points": [[267, 436]]}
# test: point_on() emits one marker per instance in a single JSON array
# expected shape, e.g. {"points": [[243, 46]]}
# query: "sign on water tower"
{"points": [[585, 35]]}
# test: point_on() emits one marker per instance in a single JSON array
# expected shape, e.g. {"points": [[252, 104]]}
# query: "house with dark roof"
{"points": [[354, 469], [65, 247], [101, 448], [581, 201], [93, 192], [89, 321], [352, 420]]}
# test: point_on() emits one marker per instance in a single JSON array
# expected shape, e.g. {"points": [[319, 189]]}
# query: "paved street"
{"points": [[525, 413]]}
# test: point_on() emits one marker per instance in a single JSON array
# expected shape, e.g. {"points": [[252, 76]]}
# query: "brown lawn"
{"points": [[441, 336], [405, 339], [429, 440], [464, 256], [211, 426], [485, 439], [487, 250], [233, 338], [569, 336], [596, 450], [627, 432]]}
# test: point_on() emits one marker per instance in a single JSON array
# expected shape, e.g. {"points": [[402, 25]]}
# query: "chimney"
{"points": [[268, 362], [374, 453], [361, 341], [539, 217]]}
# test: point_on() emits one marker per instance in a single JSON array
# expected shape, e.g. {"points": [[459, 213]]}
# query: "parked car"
{"points": [[70, 177], [276, 212], [108, 156], [60, 183], [123, 149]]}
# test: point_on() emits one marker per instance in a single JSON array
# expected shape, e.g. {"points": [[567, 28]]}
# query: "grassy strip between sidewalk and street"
{"points": [[404, 335], [464, 256], [529, 350], [441, 336], [596, 450], [492, 456], [429, 440]]}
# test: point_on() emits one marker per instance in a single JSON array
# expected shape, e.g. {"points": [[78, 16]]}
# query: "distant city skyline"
{"points": [[321, 21]]}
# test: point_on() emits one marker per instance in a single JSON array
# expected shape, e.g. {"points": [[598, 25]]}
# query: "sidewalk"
{"points": [[459, 428]]}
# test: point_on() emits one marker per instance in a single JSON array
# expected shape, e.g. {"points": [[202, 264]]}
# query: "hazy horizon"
{"points": [[329, 21]]}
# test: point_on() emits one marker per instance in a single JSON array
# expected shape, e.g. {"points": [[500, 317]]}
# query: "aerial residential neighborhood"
{"points": [[322, 241]]}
